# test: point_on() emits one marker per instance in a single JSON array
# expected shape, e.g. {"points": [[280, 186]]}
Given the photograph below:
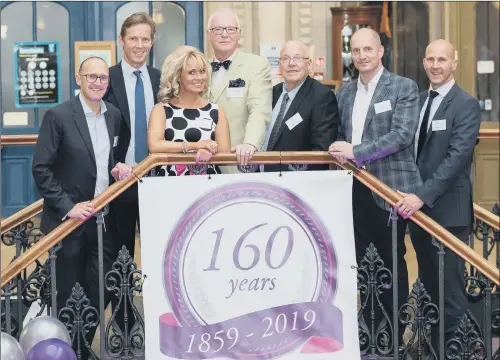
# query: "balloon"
{"points": [[51, 349], [11, 350], [43, 328]]}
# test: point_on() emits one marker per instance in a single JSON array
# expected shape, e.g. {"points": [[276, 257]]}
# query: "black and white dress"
{"points": [[191, 125]]}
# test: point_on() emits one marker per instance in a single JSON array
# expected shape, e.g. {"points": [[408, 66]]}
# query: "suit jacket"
{"points": [[249, 115], [64, 165], [445, 159], [117, 95], [317, 106], [385, 148]]}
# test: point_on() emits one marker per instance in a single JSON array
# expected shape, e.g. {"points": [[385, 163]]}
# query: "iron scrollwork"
{"points": [[373, 280], [466, 342], [124, 280]]}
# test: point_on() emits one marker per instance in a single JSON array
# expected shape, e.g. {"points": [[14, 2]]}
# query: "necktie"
{"points": [[425, 121], [277, 125], [217, 65], [141, 128]]}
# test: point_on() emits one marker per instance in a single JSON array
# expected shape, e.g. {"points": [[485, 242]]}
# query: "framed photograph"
{"points": [[332, 84], [103, 49]]}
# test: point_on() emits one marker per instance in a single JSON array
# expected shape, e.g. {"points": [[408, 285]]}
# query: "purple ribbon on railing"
{"points": [[264, 334]]}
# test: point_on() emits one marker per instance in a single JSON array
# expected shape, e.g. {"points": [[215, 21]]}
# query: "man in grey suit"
{"points": [[444, 144], [379, 117]]}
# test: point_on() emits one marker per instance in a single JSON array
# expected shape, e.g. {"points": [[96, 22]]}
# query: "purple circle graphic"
{"points": [[246, 191]]}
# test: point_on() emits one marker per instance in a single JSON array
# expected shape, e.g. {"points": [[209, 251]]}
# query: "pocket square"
{"points": [[237, 83]]}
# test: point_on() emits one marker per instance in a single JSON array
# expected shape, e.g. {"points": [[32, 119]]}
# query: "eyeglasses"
{"points": [[92, 78], [296, 59], [231, 30]]}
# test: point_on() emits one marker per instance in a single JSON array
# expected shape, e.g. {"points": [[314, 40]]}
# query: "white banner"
{"points": [[249, 266]]}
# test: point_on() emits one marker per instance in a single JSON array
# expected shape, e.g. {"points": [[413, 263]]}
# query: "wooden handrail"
{"points": [[311, 157], [21, 216], [31, 139], [487, 217]]}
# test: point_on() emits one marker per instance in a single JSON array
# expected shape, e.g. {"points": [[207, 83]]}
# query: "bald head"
{"points": [[440, 62], [294, 63], [441, 46], [367, 34], [298, 46]]}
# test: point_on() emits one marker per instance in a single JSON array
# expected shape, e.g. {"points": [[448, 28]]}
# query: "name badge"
{"points": [[294, 121], [115, 141], [383, 107], [203, 123], [235, 92], [438, 125]]}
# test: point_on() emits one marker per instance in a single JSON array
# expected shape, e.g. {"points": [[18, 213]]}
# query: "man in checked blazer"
{"points": [[378, 120], [241, 84]]}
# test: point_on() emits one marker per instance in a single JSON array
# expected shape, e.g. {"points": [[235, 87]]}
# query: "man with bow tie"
{"points": [[241, 84]]}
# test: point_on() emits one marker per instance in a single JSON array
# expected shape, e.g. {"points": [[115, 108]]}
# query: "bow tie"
{"points": [[217, 65]]}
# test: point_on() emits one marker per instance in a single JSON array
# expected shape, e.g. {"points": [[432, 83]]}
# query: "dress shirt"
{"points": [[100, 142], [443, 91], [130, 80], [362, 102], [218, 76], [276, 110]]}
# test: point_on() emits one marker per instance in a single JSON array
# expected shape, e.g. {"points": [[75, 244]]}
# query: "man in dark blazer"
{"points": [[73, 163], [379, 117], [444, 144], [305, 116], [133, 90]]}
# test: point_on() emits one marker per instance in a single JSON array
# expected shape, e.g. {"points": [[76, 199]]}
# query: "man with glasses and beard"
{"points": [[74, 162], [241, 84]]}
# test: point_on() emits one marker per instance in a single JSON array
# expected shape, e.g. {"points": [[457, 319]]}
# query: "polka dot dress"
{"points": [[191, 125]]}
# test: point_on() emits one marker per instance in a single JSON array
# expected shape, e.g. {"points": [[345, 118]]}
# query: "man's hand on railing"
{"points": [[244, 153], [82, 210], [121, 171], [341, 151], [408, 204]]}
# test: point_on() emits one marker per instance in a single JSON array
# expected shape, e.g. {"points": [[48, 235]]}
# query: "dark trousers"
{"points": [[455, 297], [79, 263], [372, 225], [126, 211]]}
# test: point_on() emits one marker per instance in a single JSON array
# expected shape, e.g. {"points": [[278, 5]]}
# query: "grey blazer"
{"points": [[446, 157], [385, 148]]}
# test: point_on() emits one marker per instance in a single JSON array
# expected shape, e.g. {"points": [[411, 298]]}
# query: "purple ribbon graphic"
{"points": [[259, 335]]}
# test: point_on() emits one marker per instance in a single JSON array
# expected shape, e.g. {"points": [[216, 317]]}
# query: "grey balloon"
{"points": [[11, 350], [42, 328]]}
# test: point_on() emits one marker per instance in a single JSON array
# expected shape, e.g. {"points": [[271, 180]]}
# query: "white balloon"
{"points": [[11, 350], [43, 328]]}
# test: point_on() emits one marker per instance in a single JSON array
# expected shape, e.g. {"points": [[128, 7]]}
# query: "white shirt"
{"points": [[443, 91], [130, 80], [361, 104], [218, 76], [100, 142]]}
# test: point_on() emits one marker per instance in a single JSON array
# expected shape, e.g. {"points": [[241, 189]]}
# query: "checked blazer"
{"points": [[385, 149]]}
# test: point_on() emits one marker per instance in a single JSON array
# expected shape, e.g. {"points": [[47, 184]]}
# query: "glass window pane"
{"points": [[121, 14], [53, 25], [16, 26], [170, 30]]}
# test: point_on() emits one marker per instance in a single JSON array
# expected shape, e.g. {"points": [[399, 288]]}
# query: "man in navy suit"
{"points": [[444, 144], [74, 161], [133, 90], [305, 115]]}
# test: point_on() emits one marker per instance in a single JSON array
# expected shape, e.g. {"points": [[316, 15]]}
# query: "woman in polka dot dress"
{"points": [[183, 121]]}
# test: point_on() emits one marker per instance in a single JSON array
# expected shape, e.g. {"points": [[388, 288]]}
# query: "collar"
{"points": [[229, 58], [443, 90], [87, 110], [128, 70], [292, 93], [373, 82]]}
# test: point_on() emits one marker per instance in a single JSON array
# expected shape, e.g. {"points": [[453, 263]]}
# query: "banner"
{"points": [[249, 266], [37, 77]]}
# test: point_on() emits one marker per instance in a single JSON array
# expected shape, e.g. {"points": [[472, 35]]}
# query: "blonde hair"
{"points": [[172, 68]]}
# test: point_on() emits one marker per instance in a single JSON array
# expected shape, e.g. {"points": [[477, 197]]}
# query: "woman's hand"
{"points": [[203, 156], [209, 145]]}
